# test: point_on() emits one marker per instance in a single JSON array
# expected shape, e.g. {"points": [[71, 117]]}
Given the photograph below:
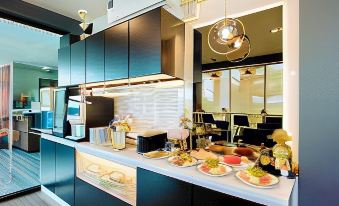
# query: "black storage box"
{"points": [[152, 143]]}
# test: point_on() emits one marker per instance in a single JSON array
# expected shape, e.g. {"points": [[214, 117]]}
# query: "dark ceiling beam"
{"points": [[29, 14], [251, 61]]}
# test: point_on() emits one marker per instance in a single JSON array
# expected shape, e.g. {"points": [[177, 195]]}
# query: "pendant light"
{"points": [[228, 37]]}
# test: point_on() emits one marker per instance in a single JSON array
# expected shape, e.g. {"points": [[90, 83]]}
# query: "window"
{"points": [[274, 89], [243, 90], [216, 87]]}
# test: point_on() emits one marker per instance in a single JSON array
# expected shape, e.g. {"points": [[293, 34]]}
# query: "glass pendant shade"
{"points": [[226, 35], [240, 52]]}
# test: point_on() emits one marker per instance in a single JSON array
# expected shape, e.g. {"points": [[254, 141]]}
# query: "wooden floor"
{"points": [[34, 199]]}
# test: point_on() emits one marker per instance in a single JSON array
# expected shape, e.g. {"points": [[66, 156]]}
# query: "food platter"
{"points": [[246, 178], [224, 170], [156, 155], [178, 162]]}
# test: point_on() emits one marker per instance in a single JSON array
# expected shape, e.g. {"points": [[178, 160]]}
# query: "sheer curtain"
{"points": [[5, 113]]}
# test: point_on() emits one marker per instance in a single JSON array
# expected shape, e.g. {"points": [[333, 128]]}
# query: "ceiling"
{"points": [[27, 45], [69, 8], [258, 26]]}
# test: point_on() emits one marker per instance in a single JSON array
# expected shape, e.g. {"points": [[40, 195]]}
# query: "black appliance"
{"points": [[151, 143]]}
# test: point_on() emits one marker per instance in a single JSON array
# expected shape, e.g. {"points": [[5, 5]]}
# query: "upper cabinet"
{"points": [[95, 58], [64, 66], [116, 52], [78, 62], [145, 44], [157, 41], [150, 44]]}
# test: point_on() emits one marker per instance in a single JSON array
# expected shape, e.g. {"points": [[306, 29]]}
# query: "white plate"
{"points": [[275, 181], [228, 170], [157, 158], [194, 162]]}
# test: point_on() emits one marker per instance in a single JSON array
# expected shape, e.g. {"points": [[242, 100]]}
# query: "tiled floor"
{"points": [[25, 170], [34, 199]]}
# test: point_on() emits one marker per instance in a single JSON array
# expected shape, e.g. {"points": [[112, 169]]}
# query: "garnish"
{"points": [[256, 171], [212, 163]]}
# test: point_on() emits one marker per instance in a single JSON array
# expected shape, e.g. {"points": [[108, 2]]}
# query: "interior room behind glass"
{"points": [[244, 99]]}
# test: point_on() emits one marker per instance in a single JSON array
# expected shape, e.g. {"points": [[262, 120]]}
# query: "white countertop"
{"points": [[229, 184]]}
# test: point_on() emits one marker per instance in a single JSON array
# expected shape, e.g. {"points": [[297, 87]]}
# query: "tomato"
{"points": [[265, 180], [205, 168], [222, 170]]}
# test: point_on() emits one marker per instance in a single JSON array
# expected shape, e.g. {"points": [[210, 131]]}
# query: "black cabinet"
{"points": [[116, 52], [88, 195], [78, 63], [95, 58], [47, 153], [154, 189], [64, 66], [145, 44], [203, 196], [65, 173]]}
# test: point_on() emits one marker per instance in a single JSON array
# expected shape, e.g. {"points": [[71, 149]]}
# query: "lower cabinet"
{"points": [[88, 195], [58, 169], [203, 197], [47, 153], [65, 173], [154, 189]]}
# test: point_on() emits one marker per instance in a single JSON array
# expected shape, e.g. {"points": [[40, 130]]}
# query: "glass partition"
{"points": [[246, 90], [274, 89]]}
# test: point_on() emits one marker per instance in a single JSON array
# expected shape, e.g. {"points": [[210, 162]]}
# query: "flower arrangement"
{"points": [[121, 123]]}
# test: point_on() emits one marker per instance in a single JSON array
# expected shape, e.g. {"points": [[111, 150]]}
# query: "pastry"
{"points": [[202, 154]]}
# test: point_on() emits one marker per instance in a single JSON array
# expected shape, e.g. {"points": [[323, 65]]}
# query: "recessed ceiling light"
{"points": [[46, 68], [275, 30]]}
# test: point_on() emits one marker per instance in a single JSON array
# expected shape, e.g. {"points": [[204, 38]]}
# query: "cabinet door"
{"points": [[145, 44], [203, 196], [78, 64], [116, 52], [64, 66], [95, 58], [65, 173], [47, 153], [96, 196], [154, 189]]}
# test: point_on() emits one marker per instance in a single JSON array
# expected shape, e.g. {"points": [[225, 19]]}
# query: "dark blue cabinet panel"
{"points": [[95, 58], [64, 66], [78, 63], [47, 152], [88, 195], [145, 44], [154, 189], [203, 196], [65, 173], [116, 52]]}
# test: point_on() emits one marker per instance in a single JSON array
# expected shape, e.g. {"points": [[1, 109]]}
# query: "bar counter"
{"points": [[230, 185]]}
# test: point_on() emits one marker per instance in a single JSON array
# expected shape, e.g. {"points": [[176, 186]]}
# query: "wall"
{"points": [[152, 107], [319, 98], [26, 80]]}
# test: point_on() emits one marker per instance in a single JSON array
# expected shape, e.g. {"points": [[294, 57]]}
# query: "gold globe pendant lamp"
{"points": [[228, 37]]}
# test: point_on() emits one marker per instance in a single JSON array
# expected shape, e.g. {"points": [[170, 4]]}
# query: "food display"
{"points": [[212, 167], [257, 177], [203, 154], [156, 154], [182, 160], [235, 161], [243, 151]]}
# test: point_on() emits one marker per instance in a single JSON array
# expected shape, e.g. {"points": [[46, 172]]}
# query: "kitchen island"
{"points": [[228, 185]]}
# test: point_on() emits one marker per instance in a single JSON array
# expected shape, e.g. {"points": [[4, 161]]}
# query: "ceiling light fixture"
{"points": [[227, 36], [275, 30]]}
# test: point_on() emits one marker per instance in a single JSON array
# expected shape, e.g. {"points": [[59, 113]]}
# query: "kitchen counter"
{"points": [[229, 184]]}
